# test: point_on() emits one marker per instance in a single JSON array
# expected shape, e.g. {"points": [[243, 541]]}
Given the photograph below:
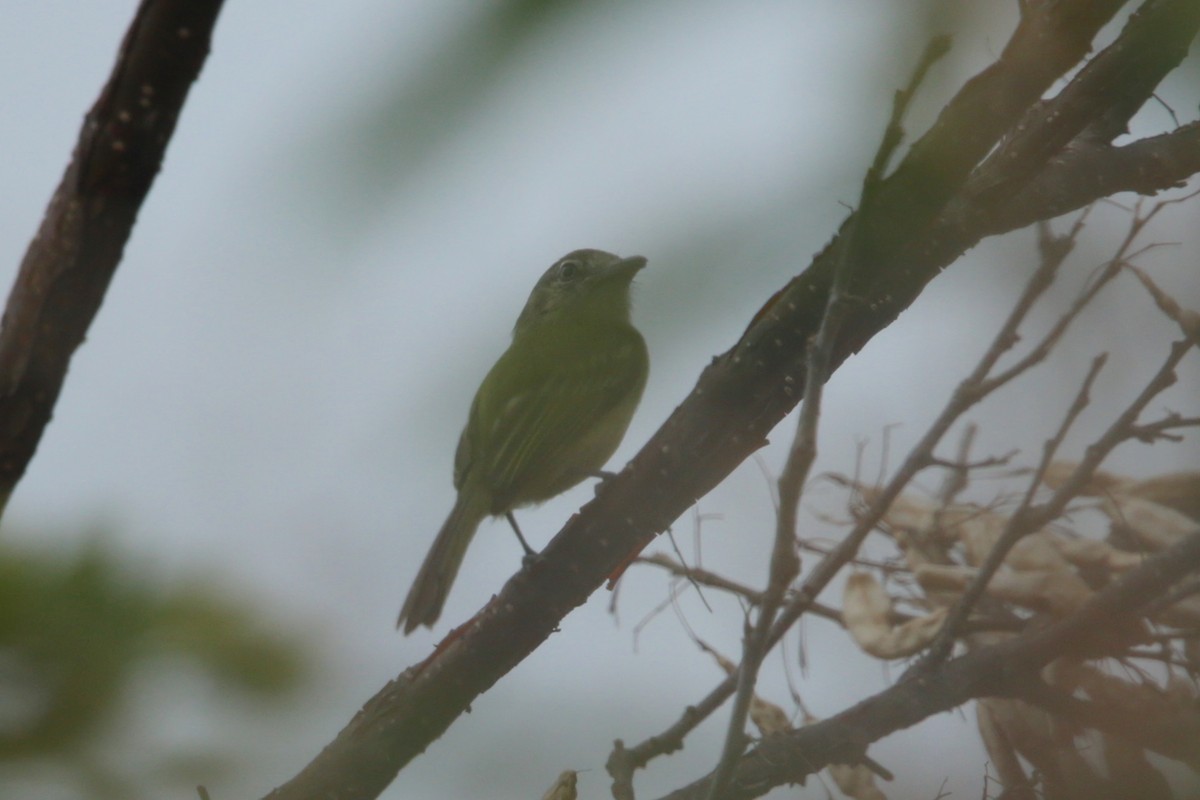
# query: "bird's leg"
{"points": [[530, 553]]}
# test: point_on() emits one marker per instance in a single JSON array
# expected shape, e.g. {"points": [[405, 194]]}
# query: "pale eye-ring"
{"points": [[568, 269]]}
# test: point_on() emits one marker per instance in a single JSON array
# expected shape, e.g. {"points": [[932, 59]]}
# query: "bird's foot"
{"points": [[603, 476]]}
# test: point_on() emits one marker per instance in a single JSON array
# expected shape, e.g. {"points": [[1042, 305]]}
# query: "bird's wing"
{"points": [[542, 404]]}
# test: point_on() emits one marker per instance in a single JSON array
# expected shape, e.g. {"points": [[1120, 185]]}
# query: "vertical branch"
{"points": [[75, 252]]}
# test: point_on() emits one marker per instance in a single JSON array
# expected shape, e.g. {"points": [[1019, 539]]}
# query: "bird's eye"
{"points": [[567, 270]]}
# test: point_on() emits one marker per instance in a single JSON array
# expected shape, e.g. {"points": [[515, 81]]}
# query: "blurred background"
{"points": [[203, 565]]}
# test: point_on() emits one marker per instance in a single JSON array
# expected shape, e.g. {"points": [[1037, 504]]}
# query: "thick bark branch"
{"points": [[1084, 170], [71, 260], [917, 222]]}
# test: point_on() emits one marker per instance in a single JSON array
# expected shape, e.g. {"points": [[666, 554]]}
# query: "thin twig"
{"points": [[1187, 319], [703, 577], [934, 51], [785, 563], [715, 581], [885, 567], [1111, 269]]}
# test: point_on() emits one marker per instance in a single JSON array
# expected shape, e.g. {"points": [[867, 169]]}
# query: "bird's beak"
{"points": [[627, 267]]}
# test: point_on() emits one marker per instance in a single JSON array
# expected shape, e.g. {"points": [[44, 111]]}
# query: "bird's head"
{"points": [[583, 284]]}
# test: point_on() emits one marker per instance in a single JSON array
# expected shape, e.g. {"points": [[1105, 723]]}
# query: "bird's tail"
{"points": [[428, 594]]}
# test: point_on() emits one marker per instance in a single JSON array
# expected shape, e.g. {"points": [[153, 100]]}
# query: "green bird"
{"points": [[549, 413]]}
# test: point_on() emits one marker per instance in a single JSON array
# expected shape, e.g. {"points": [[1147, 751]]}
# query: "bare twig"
{"points": [[1111, 269], [785, 563], [885, 567], [957, 471], [935, 50], [703, 577], [1187, 319], [751, 596]]}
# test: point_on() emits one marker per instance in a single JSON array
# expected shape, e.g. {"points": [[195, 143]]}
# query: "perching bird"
{"points": [[549, 414]]}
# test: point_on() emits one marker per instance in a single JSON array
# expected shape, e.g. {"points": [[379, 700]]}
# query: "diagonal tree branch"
{"points": [[917, 223], [1096, 104], [71, 260], [1090, 169]]}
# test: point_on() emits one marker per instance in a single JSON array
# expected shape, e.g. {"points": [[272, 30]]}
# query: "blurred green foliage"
{"points": [[410, 118], [81, 634]]}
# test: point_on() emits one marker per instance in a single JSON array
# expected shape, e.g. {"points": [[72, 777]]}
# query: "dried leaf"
{"points": [[1191, 653], [1183, 614], [1177, 490], [1146, 524], [1057, 593], [906, 511], [856, 782], [768, 717], [1130, 773], [1165, 721], [911, 523], [1089, 553], [1100, 483], [979, 535], [563, 788], [724, 663], [1187, 319], [1038, 738], [866, 610], [1001, 752], [943, 577]]}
